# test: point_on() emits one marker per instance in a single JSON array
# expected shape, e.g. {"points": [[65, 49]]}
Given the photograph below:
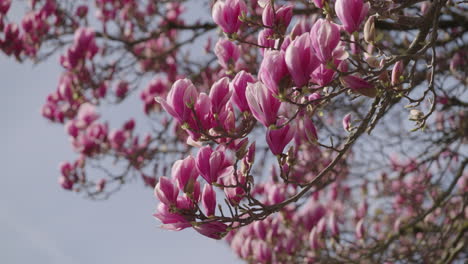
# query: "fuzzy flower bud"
{"points": [[397, 71], [369, 30]]}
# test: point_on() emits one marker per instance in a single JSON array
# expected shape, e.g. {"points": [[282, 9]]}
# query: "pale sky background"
{"points": [[41, 223]]}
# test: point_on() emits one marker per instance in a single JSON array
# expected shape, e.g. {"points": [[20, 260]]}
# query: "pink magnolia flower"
{"points": [[81, 11], [263, 105], [280, 19], [260, 229], [170, 220], [12, 42], [215, 230], [84, 40], [71, 128], [347, 122], [203, 111], [86, 115], [300, 60], [250, 157], [226, 14], [208, 199], [311, 214], [325, 37], [129, 125], [322, 226], [302, 26], [210, 164], [84, 46], [66, 169], [360, 229], [117, 138], [351, 13], [220, 95], [359, 85], [305, 131], [121, 89], [4, 6], [185, 174], [262, 252], [277, 139], [397, 71], [227, 53], [179, 100], [319, 3], [272, 70], [275, 194], [238, 87], [314, 240], [157, 87], [226, 118], [265, 39], [333, 225], [66, 183], [322, 75], [166, 192]]}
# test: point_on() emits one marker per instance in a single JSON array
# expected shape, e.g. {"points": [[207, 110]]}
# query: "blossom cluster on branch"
{"points": [[324, 131]]}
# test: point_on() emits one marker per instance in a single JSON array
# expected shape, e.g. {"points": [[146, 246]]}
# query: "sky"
{"points": [[42, 223]]}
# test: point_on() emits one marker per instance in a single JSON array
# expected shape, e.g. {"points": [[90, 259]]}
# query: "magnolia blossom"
{"points": [[281, 18], [227, 53], [238, 87], [220, 95], [226, 14], [278, 138], [325, 41], [209, 199], [261, 102], [210, 164], [359, 85], [185, 174], [179, 100], [300, 60], [166, 191], [351, 13], [397, 71], [273, 70]]}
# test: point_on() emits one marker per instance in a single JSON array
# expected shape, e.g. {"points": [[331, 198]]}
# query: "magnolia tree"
{"points": [[298, 131]]}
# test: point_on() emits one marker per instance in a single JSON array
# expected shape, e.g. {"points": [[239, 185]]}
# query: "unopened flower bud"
{"points": [[397, 72], [360, 229], [369, 30], [415, 115]]}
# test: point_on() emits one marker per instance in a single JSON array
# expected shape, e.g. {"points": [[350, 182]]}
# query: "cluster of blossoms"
{"points": [[283, 132]]}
